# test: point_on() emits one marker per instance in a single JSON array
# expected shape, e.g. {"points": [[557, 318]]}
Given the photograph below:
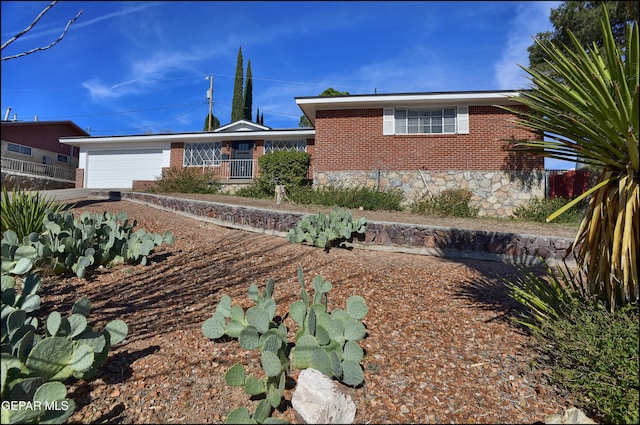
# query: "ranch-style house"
{"points": [[422, 143]]}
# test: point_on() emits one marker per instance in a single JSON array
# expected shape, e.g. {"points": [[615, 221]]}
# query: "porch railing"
{"points": [[34, 168], [232, 168]]}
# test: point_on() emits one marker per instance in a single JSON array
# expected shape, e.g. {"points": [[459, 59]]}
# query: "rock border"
{"points": [[510, 248]]}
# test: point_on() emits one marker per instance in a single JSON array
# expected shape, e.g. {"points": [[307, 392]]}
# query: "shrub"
{"points": [[327, 341], [186, 180], [538, 210], [367, 198], [25, 210], [449, 203], [282, 168], [590, 352], [254, 190], [544, 301], [593, 354]]}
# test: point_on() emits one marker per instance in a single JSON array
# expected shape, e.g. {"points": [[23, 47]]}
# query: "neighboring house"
{"points": [[231, 152], [34, 148], [420, 143]]}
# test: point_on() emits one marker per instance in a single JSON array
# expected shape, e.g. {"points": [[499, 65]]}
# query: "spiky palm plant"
{"points": [[590, 115]]}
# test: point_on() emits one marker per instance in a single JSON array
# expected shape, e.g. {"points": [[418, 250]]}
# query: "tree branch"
{"points": [[35, 21]]}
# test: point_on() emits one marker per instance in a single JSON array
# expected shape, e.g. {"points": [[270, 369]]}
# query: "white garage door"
{"points": [[118, 169]]}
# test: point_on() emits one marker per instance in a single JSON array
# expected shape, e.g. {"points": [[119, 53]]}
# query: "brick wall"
{"points": [[79, 178], [353, 140], [177, 154]]}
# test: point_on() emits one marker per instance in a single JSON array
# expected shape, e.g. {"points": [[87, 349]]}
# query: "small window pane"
{"points": [[11, 147]]}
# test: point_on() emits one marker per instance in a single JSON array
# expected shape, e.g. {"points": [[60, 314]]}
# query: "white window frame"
{"points": [[19, 149], [440, 120], [202, 154], [298, 145], [421, 116]]}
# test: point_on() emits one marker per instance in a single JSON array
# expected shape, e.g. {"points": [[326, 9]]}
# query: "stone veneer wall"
{"points": [[495, 193], [12, 181], [384, 236]]}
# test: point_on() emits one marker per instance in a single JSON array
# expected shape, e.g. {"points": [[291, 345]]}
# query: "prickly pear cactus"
{"points": [[34, 366], [76, 245], [325, 341], [327, 231]]}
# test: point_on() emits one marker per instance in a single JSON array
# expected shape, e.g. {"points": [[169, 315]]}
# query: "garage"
{"points": [[118, 169]]}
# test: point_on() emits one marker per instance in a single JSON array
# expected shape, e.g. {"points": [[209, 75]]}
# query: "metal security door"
{"points": [[242, 160]]}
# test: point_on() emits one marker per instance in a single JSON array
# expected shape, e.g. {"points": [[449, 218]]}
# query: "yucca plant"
{"points": [[24, 211], [545, 301], [590, 115]]}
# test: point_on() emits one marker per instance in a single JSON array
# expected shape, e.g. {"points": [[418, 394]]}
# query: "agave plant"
{"points": [[590, 115], [24, 211]]}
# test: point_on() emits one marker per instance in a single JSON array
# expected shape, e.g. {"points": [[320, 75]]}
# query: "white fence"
{"points": [[33, 168]]}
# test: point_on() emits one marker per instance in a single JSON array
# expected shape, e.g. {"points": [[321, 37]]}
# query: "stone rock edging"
{"points": [[382, 236]]}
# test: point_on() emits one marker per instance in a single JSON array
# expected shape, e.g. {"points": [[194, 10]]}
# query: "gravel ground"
{"points": [[439, 345]]}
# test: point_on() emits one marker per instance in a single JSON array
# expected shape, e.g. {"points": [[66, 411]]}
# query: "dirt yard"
{"points": [[439, 347]]}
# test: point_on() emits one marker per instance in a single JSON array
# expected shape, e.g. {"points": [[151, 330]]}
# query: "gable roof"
{"points": [[241, 125], [311, 104], [70, 124]]}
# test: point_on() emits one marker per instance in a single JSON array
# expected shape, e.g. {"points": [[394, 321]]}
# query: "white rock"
{"points": [[321, 400], [571, 415]]}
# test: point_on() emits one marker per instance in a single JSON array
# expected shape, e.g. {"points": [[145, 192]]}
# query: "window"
{"points": [[63, 158], [24, 150], [425, 121], [202, 154], [285, 145]]}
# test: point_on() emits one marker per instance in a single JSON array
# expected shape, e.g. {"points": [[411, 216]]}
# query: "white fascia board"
{"points": [[150, 139], [310, 105]]}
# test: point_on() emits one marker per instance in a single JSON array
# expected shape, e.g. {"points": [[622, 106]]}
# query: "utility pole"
{"points": [[210, 97]]}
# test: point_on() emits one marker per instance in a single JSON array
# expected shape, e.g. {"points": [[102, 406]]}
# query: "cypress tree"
{"points": [[248, 94], [215, 123], [237, 104], [258, 116]]}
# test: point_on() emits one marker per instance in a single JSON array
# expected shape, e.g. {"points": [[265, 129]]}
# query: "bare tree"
{"points": [[27, 29]]}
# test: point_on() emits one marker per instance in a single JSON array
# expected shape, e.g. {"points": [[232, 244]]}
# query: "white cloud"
{"points": [[144, 75], [43, 28], [531, 18]]}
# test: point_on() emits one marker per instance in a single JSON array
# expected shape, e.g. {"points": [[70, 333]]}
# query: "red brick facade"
{"points": [[352, 139]]}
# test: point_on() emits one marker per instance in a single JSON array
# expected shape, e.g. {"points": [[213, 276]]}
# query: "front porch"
{"points": [[230, 169]]}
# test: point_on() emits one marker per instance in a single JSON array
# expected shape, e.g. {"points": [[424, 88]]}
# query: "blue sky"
{"points": [[140, 67]]}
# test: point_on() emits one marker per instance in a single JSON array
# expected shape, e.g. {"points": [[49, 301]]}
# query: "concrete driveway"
{"points": [[67, 194]]}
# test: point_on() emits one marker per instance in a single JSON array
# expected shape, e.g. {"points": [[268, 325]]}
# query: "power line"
{"points": [[123, 112], [151, 125]]}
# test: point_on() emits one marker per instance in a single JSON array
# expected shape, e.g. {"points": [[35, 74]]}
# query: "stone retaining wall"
{"points": [[384, 236], [29, 182], [495, 193]]}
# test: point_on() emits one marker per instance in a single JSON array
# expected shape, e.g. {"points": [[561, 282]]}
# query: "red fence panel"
{"points": [[567, 183]]}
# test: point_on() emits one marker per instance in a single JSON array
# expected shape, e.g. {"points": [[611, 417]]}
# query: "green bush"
{"points": [[24, 211], [590, 352], [449, 203], [282, 168], [367, 198], [538, 210], [593, 354], [254, 190], [186, 180]]}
